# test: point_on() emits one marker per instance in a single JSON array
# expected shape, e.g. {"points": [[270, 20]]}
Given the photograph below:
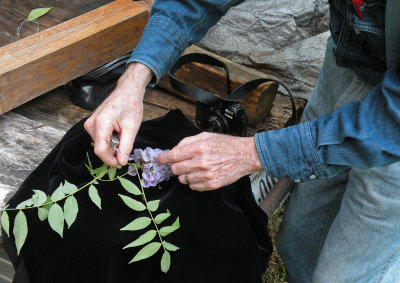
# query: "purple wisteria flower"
{"points": [[153, 173]]}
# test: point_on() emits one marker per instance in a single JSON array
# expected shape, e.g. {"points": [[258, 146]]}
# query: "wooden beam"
{"points": [[41, 62], [257, 104]]}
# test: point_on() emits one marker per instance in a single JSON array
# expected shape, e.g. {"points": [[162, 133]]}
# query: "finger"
{"points": [[102, 148], [183, 167], [88, 125], [177, 154], [127, 138], [195, 138]]}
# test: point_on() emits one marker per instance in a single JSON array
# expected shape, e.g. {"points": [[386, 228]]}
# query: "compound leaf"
{"points": [[28, 202], [69, 188], [39, 197], [131, 203], [5, 222], [101, 171], [170, 246], [153, 205], [20, 230], [130, 187], [37, 13], [112, 172], [58, 193], [164, 231], [43, 213], [165, 261], [147, 251], [145, 238], [137, 224], [94, 196], [70, 210], [161, 217], [56, 219]]}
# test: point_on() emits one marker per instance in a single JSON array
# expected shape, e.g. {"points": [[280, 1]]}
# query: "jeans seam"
{"points": [[386, 266]]}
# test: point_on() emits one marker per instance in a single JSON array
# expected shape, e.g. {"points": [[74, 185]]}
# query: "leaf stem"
{"points": [[148, 209], [52, 202]]}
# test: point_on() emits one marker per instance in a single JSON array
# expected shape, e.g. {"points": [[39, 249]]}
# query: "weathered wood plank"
{"points": [[23, 145], [12, 14], [41, 62], [257, 103]]}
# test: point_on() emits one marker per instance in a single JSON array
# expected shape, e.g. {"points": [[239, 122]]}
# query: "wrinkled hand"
{"points": [[122, 112], [209, 161]]}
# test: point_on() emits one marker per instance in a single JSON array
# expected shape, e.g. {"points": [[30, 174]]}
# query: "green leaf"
{"points": [[165, 262], [37, 13], [48, 203], [147, 251], [88, 168], [170, 246], [137, 224], [101, 171], [20, 230], [69, 188], [161, 217], [70, 210], [94, 196], [112, 172], [39, 198], [164, 231], [131, 203], [145, 238], [130, 187], [90, 163], [5, 222], [28, 202], [176, 223], [56, 219], [58, 193], [153, 205], [43, 213]]}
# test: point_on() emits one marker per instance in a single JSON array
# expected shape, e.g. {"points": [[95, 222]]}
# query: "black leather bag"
{"points": [[91, 89]]}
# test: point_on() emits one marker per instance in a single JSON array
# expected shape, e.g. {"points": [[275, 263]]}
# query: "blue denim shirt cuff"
{"points": [[290, 153], [160, 46]]}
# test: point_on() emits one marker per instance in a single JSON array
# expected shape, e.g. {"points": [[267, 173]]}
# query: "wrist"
{"points": [[252, 155], [137, 76]]}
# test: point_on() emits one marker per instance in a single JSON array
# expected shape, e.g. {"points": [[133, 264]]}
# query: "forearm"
{"points": [[358, 134], [173, 26]]}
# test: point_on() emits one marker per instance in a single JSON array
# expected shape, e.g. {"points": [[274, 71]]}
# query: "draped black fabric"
{"points": [[223, 235]]}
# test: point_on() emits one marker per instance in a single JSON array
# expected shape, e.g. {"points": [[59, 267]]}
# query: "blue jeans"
{"points": [[347, 228]]}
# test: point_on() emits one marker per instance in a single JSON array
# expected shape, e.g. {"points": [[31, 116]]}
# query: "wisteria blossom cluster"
{"points": [[153, 173]]}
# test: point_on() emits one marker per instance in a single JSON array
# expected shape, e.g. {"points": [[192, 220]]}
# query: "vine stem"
{"points": [[96, 178], [126, 173], [151, 214]]}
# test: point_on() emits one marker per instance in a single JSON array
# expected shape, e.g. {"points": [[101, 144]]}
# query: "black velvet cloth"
{"points": [[223, 235]]}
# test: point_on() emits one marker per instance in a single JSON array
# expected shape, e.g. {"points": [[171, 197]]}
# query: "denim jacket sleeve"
{"points": [[358, 134], [173, 26]]}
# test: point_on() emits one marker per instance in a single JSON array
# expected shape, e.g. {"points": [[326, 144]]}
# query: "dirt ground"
{"points": [[276, 271]]}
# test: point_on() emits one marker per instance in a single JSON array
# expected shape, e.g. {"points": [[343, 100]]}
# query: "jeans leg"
{"points": [[307, 219], [363, 243], [313, 206]]}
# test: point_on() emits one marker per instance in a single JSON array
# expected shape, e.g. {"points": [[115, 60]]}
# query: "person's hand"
{"points": [[121, 112], [209, 161]]}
